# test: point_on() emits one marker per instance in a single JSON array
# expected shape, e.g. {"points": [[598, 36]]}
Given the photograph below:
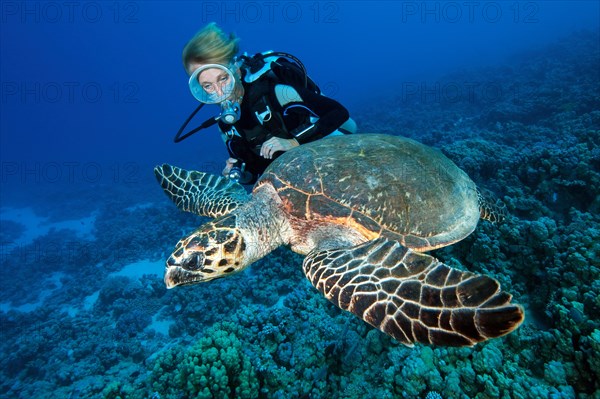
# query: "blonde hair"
{"points": [[210, 46]]}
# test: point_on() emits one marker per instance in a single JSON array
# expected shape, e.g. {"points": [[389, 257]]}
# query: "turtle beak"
{"points": [[175, 275], [186, 271]]}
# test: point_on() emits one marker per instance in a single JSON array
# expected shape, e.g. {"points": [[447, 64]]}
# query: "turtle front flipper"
{"points": [[200, 193], [412, 296]]}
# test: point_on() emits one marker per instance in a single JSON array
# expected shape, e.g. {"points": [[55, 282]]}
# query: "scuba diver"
{"points": [[268, 103]]}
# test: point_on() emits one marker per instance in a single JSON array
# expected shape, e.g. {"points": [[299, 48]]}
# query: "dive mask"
{"points": [[220, 88]]}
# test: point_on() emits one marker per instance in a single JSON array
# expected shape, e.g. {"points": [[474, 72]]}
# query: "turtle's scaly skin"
{"points": [[491, 209], [200, 193], [362, 209], [412, 296]]}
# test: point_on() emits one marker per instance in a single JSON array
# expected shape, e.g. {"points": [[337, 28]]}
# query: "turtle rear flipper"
{"points": [[200, 193], [490, 207], [412, 296]]}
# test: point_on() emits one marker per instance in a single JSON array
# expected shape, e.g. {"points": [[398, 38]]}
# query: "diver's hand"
{"points": [[228, 165], [275, 144]]}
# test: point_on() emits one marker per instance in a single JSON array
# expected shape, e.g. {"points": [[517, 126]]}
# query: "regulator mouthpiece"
{"points": [[230, 112]]}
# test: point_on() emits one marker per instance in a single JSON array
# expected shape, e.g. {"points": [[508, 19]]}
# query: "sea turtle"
{"points": [[362, 208]]}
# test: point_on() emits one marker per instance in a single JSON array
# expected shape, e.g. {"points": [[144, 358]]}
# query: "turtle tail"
{"points": [[491, 208]]}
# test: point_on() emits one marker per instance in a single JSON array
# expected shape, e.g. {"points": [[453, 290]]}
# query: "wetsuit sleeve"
{"points": [[331, 115]]}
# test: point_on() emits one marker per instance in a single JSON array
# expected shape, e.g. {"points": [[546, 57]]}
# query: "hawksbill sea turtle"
{"points": [[363, 208]]}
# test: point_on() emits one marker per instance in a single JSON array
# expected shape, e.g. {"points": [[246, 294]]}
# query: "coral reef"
{"points": [[216, 366], [74, 329]]}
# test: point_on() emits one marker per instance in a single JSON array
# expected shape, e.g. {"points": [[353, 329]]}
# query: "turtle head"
{"points": [[214, 250]]}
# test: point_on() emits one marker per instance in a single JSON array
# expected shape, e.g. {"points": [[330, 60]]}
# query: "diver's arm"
{"points": [[331, 115]]}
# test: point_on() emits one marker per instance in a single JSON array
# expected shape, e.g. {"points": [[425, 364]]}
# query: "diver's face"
{"points": [[216, 81]]}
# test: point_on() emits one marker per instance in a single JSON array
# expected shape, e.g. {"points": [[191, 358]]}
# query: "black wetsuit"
{"points": [[285, 122]]}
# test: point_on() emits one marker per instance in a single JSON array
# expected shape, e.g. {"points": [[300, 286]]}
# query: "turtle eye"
{"points": [[193, 262]]}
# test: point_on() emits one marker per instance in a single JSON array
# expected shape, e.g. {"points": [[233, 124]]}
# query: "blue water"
{"points": [[92, 94]]}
